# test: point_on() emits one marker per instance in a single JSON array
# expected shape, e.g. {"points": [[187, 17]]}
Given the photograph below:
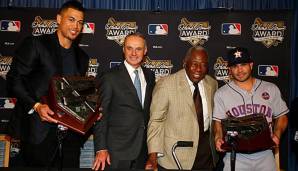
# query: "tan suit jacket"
{"points": [[173, 118]]}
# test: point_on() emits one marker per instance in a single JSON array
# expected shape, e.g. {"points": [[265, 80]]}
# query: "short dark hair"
{"points": [[137, 34], [72, 4]]}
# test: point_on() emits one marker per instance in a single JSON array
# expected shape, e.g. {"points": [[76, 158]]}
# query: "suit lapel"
{"points": [[127, 80], [208, 95], [148, 87], [57, 55], [185, 91]]}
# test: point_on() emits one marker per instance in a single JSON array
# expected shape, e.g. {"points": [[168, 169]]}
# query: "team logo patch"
{"points": [[10, 25], [88, 28], [114, 63], [117, 31], [231, 29], [268, 33], [194, 32], [92, 68], [265, 96], [7, 103], [221, 70], [41, 26], [5, 63], [158, 29], [161, 68], [268, 70]]}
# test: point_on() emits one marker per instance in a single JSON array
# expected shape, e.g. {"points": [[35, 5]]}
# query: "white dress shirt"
{"points": [[204, 100], [132, 75]]}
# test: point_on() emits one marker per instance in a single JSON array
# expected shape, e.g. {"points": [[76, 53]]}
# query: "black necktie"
{"points": [[199, 107]]}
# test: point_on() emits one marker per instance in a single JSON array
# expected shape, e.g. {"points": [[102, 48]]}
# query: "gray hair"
{"points": [[137, 34], [190, 50]]}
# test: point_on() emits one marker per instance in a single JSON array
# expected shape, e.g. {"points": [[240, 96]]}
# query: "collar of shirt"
{"points": [[254, 88], [132, 75], [204, 100]]}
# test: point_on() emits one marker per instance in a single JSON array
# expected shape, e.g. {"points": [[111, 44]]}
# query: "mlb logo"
{"points": [[113, 64], [268, 70], [158, 29], [9, 25], [88, 28], [7, 103], [231, 29]]}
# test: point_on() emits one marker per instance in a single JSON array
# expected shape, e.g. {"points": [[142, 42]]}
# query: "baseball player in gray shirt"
{"points": [[246, 95]]}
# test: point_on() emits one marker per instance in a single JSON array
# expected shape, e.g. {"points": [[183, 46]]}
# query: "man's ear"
{"points": [[251, 65], [184, 63], [58, 18], [145, 52]]}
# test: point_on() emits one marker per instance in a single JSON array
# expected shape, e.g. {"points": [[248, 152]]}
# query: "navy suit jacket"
{"points": [[122, 130], [36, 61]]}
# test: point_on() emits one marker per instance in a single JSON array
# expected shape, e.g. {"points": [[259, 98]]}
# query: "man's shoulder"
{"points": [[266, 83], [210, 80], [148, 72], [224, 89], [172, 79], [113, 71]]}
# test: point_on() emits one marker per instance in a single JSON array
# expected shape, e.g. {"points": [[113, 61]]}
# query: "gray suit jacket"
{"points": [[122, 129], [173, 118]]}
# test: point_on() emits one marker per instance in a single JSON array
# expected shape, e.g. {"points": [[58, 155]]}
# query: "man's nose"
{"points": [[134, 51], [198, 68]]}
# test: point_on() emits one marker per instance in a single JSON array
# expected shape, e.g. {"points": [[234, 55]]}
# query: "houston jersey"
{"points": [[265, 97]]}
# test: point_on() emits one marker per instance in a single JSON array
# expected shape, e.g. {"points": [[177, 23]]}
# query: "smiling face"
{"points": [[134, 50], [196, 65], [70, 24], [241, 72]]}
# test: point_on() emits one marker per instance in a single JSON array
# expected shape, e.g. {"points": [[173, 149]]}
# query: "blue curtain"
{"points": [[184, 5], [294, 75]]}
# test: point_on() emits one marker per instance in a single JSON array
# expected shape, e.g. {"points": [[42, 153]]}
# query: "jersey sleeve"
{"points": [[279, 106], [219, 107]]}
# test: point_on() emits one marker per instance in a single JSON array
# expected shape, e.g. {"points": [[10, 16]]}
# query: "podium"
{"points": [[75, 102]]}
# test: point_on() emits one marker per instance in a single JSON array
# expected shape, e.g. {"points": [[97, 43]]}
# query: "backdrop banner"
{"points": [[266, 34]]}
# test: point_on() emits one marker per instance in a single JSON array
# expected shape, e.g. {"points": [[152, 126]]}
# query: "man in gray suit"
{"points": [[126, 92], [181, 111]]}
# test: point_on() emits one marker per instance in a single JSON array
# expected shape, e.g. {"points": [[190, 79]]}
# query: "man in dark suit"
{"points": [[36, 61], [120, 136]]}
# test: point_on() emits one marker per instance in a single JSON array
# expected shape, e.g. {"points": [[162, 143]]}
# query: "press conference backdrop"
{"points": [[169, 34]]}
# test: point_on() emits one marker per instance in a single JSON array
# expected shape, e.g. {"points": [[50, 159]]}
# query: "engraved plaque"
{"points": [[75, 102], [249, 133]]}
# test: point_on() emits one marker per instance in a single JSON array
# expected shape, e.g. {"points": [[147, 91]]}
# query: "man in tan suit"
{"points": [[176, 116]]}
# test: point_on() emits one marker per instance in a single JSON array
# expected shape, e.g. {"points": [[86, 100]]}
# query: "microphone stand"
{"points": [[61, 134], [232, 142]]}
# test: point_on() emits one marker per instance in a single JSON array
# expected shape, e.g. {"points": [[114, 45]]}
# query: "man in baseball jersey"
{"points": [[246, 95]]}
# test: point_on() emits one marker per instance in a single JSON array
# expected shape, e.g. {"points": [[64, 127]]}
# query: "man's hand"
{"points": [[275, 139], [218, 143], [102, 157], [45, 113], [151, 163], [218, 136]]}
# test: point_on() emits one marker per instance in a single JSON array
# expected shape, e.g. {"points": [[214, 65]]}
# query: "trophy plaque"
{"points": [[247, 134], [74, 101]]}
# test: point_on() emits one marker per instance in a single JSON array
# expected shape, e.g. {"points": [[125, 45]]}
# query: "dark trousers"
{"points": [[138, 163], [41, 155], [204, 160]]}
